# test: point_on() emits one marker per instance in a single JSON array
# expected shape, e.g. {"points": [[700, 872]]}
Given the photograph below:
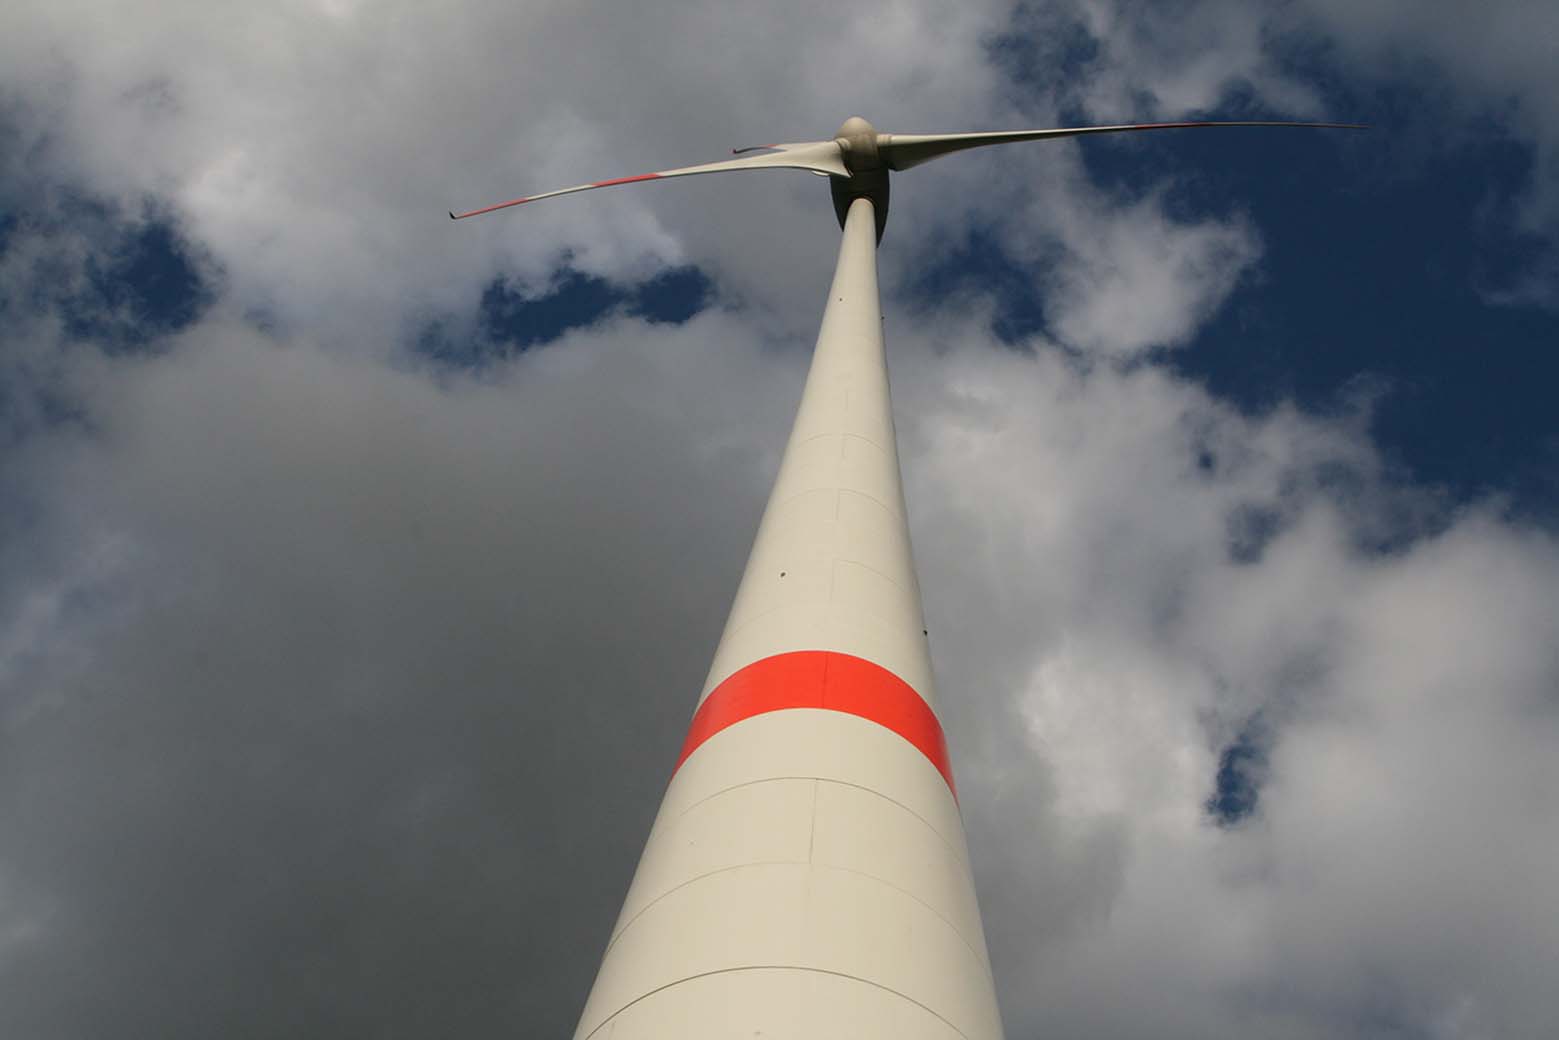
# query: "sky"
{"points": [[359, 570]]}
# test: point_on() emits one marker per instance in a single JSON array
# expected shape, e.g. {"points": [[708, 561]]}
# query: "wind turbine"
{"points": [[807, 875]]}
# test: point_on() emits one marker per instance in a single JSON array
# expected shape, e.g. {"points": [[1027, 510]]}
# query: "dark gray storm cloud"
{"points": [[350, 695], [338, 685]]}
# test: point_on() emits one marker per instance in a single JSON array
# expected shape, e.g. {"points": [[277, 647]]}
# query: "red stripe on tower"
{"points": [[828, 680]]}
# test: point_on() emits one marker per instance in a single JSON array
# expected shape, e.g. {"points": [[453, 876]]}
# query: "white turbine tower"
{"points": [[807, 875]]}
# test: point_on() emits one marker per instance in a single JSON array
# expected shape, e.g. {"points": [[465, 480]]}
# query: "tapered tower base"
{"points": [[807, 875]]}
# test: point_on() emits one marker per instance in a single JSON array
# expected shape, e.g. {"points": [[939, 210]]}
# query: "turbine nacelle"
{"points": [[858, 143]]}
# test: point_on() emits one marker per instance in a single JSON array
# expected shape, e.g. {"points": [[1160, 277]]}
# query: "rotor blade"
{"points": [[817, 156], [902, 151]]}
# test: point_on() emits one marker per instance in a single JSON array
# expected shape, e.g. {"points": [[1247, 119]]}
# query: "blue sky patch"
{"points": [[1383, 264], [145, 285], [1237, 787], [510, 321], [135, 282]]}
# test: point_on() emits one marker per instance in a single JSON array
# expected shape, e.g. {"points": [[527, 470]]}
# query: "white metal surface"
{"points": [[903, 151], [807, 875], [858, 158], [817, 156]]}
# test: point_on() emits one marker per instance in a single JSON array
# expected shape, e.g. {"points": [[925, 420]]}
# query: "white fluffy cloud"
{"points": [[368, 621], [1473, 79], [317, 149], [1076, 534], [314, 659]]}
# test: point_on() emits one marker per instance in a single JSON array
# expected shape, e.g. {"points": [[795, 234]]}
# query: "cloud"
{"points": [[315, 668], [313, 674], [337, 686], [1132, 278], [1492, 73], [1194, 57], [1084, 592], [1434, 79], [321, 162], [319, 170]]}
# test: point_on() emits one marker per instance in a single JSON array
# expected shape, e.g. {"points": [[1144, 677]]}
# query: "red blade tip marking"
{"points": [[487, 209], [625, 180]]}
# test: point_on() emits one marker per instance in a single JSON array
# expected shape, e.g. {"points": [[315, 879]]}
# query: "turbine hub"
{"points": [[858, 142]]}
